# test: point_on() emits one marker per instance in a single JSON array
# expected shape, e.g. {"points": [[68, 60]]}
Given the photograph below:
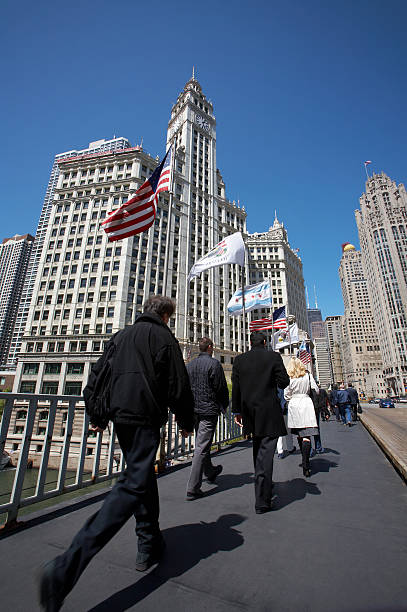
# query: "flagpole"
{"points": [[167, 243], [288, 329], [271, 310], [244, 307]]}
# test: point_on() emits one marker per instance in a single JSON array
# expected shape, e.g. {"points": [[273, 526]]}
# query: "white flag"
{"points": [[229, 250], [285, 337]]}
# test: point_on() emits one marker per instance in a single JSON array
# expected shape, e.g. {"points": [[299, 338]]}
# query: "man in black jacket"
{"points": [[354, 401], [148, 376], [255, 378], [211, 397]]}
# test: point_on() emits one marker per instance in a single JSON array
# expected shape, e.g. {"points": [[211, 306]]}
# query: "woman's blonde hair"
{"points": [[296, 368]]}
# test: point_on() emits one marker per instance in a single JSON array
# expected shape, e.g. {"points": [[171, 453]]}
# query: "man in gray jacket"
{"points": [[211, 397]]}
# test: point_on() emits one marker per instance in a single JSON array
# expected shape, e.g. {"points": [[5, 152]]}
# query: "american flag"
{"points": [[138, 214], [367, 162], [278, 321], [303, 354]]}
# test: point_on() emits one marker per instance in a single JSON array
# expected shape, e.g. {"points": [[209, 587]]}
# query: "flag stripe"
{"points": [[267, 324], [139, 213], [130, 219]]}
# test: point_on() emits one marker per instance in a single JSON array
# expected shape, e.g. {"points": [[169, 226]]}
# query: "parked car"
{"points": [[386, 403], [403, 400], [375, 400]]}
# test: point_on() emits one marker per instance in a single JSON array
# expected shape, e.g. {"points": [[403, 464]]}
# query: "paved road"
{"points": [[335, 542]]}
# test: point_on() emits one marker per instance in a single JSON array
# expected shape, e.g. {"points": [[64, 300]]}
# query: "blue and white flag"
{"points": [[255, 296]]}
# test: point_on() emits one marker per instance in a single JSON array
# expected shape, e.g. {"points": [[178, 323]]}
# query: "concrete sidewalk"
{"points": [[335, 542], [388, 426]]}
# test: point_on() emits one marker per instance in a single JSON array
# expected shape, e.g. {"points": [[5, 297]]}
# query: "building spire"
{"points": [[315, 293], [193, 73]]}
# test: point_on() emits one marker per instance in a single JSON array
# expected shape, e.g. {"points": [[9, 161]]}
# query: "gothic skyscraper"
{"points": [[382, 226]]}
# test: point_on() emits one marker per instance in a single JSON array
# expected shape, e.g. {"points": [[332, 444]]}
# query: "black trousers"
{"points": [[135, 493], [263, 458]]}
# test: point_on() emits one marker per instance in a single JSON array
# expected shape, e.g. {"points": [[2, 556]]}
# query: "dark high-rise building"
{"points": [[14, 257]]}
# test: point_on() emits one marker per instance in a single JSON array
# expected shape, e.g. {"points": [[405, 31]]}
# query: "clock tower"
{"points": [[205, 217]]}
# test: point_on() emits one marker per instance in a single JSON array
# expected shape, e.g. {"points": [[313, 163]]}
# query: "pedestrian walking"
{"points": [[324, 406], [343, 401], [354, 401], [211, 397], [320, 406], [333, 400], [284, 443], [301, 413], [148, 376], [255, 378]]}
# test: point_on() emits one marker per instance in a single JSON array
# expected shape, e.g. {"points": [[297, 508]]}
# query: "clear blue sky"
{"points": [[304, 91]]}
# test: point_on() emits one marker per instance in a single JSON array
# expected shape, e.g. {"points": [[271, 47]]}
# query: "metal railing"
{"points": [[72, 453]]}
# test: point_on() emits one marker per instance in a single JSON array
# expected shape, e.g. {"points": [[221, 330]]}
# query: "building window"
{"points": [[26, 386], [73, 388], [52, 368], [75, 368], [49, 388], [30, 368]]}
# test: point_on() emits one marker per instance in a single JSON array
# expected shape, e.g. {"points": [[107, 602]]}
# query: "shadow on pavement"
{"points": [[331, 450], [207, 539], [318, 464], [230, 481], [290, 491]]}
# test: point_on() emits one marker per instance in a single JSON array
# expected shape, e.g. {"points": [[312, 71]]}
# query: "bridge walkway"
{"points": [[335, 542]]}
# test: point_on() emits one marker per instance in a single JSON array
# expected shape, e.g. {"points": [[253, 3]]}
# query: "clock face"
{"points": [[176, 125], [202, 122]]}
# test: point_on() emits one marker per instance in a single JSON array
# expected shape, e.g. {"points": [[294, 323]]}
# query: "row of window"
{"points": [[53, 368], [86, 313], [73, 346], [51, 387]]}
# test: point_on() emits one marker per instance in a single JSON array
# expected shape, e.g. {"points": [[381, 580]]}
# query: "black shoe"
{"points": [[292, 451], [146, 560], [50, 596], [307, 473], [216, 471], [264, 509], [194, 495]]}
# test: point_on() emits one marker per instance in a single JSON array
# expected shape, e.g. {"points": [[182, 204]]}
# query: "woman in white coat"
{"points": [[301, 414]]}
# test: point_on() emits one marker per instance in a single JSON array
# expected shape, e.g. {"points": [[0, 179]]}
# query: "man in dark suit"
{"points": [[255, 378]]}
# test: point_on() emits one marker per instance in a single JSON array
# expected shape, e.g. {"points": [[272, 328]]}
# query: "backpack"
{"points": [[97, 391]]}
